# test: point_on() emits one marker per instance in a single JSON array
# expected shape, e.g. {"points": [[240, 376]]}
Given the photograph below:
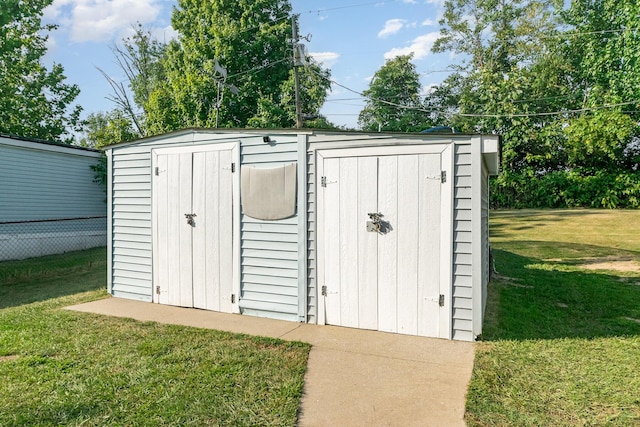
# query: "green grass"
{"points": [[60, 367], [561, 339]]}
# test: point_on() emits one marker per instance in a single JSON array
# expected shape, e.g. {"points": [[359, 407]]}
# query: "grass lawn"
{"points": [[561, 340], [66, 368]]}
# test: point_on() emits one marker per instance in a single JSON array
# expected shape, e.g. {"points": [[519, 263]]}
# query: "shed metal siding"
{"points": [[312, 303], [462, 245], [131, 223], [486, 266], [269, 249]]}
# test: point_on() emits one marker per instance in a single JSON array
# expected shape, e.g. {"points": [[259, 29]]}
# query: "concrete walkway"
{"points": [[354, 377]]}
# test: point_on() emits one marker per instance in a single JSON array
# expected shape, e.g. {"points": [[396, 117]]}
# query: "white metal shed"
{"points": [[368, 230]]}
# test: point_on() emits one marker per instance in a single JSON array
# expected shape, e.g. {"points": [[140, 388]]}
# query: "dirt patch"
{"points": [[625, 266], [612, 263], [8, 358]]}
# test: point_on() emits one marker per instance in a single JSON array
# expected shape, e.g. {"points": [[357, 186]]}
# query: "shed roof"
{"points": [[41, 144]]}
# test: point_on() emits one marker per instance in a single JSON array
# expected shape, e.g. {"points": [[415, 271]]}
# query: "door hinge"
{"points": [[233, 298], [157, 171], [233, 167], [323, 181], [441, 300], [324, 291], [157, 290], [443, 176]]}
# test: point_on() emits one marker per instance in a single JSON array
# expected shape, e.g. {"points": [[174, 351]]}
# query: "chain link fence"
{"points": [[41, 247]]}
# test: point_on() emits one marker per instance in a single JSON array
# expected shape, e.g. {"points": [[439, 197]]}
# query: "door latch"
{"points": [[190, 219], [375, 225]]}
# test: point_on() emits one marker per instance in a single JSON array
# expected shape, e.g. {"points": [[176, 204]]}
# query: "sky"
{"points": [[353, 38]]}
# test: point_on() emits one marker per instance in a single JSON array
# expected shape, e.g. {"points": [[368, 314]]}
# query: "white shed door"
{"points": [[193, 196], [388, 280]]}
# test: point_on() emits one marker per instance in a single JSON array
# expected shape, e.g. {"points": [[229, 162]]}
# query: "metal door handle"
{"points": [[190, 219]]}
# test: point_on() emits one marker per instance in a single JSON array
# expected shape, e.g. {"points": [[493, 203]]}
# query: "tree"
{"points": [[34, 101], [250, 40], [281, 111], [140, 58], [102, 129], [393, 99], [604, 49]]}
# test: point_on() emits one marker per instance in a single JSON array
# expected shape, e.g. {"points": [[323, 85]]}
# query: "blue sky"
{"points": [[351, 37]]}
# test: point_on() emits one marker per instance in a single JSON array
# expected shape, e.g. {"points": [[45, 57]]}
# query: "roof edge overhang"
{"points": [[491, 153], [41, 144], [491, 145]]}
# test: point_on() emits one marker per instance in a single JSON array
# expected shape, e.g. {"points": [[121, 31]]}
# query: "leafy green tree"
{"points": [[393, 99], [251, 41], [102, 129], [34, 101], [280, 111], [604, 48], [140, 58]]}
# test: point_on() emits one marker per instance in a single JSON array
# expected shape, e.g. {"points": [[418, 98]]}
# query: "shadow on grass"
{"points": [[40, 279], [536, 298], [534, 218]]}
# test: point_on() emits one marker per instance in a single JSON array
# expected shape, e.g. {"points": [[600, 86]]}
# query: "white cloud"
{"points": [[101, 20], [392, 26], [327, 59], [428, 22], [420, 47]]}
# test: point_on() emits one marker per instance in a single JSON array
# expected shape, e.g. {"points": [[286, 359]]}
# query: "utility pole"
{"points": [[297, 61]]}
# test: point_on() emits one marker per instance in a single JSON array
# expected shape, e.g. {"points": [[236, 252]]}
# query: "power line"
{"points": [[484, 115]]}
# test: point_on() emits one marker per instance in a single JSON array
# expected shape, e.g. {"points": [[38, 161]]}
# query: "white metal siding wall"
{"points": [[131, 223], [486, 267], [462, 245], [269, 249], [38, 184], [311, 239]]}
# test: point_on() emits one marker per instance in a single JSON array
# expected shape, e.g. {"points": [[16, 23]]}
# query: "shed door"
{"points": [[392, 279], [194, 210]]}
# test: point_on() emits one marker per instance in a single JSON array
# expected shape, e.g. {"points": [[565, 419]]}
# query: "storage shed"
{"points": [[367, 230], [49, 202]]}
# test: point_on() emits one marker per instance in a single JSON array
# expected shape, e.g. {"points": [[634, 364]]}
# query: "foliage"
{"points": [[559, 85], [34, 101], [140, 58], [280, 111], [102, 129], [561, 337], [575, 188], [251, 41], [393, 99]]}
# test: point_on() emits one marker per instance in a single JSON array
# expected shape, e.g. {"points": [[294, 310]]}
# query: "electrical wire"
{"points": [[484, 115]]}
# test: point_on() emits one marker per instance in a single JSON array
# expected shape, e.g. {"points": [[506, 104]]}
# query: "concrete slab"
{"points": [[354, 377]]}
